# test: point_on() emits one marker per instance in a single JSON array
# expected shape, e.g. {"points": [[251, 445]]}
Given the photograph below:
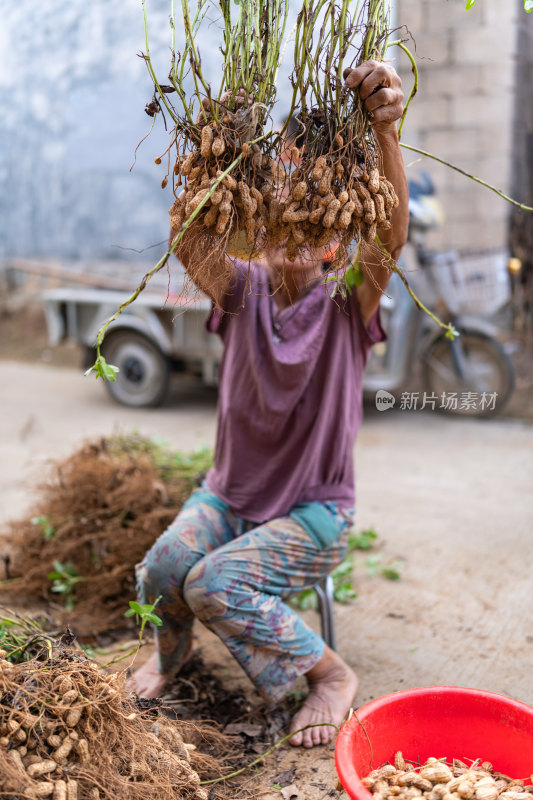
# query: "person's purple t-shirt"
{"points": [[290, 400]]}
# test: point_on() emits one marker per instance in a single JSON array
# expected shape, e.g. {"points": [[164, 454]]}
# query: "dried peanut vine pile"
{"points": [[437, 780]]}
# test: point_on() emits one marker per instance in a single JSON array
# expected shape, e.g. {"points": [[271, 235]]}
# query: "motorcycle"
{"points": [[471, 375]]}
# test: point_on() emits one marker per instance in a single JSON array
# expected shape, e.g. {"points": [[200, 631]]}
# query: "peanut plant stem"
{"points": [[268, 752], [467, 175], [448, 327], [414, 90], [162, 261]]}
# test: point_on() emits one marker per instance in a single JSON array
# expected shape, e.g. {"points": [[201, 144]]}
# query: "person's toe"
{"points": [[296, 740]]}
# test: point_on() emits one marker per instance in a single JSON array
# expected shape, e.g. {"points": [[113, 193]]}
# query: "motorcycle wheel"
{"points": [[144, 370], [488, 370]]}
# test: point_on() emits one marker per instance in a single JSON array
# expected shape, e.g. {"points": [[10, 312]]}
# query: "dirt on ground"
{"points": [[449, 498]]}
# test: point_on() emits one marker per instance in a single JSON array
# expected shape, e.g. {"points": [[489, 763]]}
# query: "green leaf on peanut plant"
{"points": [[354, 276], [45, 525], [528, 6], [451, 332], [145, 612], [470, 4], [108, 372], [391, 574], [363, 540]]}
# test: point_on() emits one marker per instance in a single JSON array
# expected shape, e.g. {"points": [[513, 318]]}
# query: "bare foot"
{"points": [[147, 681], [332, 688]]}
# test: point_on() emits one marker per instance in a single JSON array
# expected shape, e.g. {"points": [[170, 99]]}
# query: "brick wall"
{"points": [[464, 110], [522, 222]]}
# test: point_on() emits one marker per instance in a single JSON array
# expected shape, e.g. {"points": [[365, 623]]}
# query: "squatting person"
{"points": [[273, 515]]}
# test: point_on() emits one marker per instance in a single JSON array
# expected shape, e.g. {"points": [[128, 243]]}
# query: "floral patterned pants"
{"points": [[234, 576]]}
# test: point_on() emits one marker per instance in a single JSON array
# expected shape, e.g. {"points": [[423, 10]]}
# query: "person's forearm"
{"points": [[394, 170], [209, 271]]}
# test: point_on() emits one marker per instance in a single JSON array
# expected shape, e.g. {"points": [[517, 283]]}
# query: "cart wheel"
{"points": [[144, 370], [486, 369]]}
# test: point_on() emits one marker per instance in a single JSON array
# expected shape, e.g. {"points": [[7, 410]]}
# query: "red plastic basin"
{"points": [[440, 721]]}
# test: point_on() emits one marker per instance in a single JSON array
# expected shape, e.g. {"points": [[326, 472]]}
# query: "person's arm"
{"points": [[211, 273], [380, 88]]}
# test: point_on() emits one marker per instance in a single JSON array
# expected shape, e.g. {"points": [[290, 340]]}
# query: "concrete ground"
{"points": [[450, 499]]}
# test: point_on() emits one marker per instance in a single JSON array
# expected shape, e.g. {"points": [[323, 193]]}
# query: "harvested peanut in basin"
{"points": [[438, 779]]}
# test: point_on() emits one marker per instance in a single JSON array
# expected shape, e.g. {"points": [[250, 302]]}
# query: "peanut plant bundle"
{"points": [[441, 780], [336, 190], [69, 732], [228, 176], [224, 166]]}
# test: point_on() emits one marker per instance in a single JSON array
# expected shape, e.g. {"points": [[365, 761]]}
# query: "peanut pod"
{"points": [[222, 222], [65, 684], [41, 768], [300, 215], [299, 190], [228, 181], [324, 184], [257, 196], [207, 140], [82, 750], [16, 758], [379, 204], [316, 215], [197, 199], [60, 790], [69, 696], [345, 217], [63, 751], [42, 789], [72, 790], [358, 206], [326, 200], [72, 717], [248, 202], [318, 169], [331, 213], [324, 238], [218, 146], [362, 191], [373, 180], [370, 211], [211, 216], [54, 740], [186, 165]]}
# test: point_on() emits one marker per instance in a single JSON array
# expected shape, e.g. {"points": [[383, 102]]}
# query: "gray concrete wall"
{"points": [[464, 110], [73, 92]]}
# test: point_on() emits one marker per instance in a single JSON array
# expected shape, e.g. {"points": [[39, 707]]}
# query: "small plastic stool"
{"points": [[324, 592]]}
